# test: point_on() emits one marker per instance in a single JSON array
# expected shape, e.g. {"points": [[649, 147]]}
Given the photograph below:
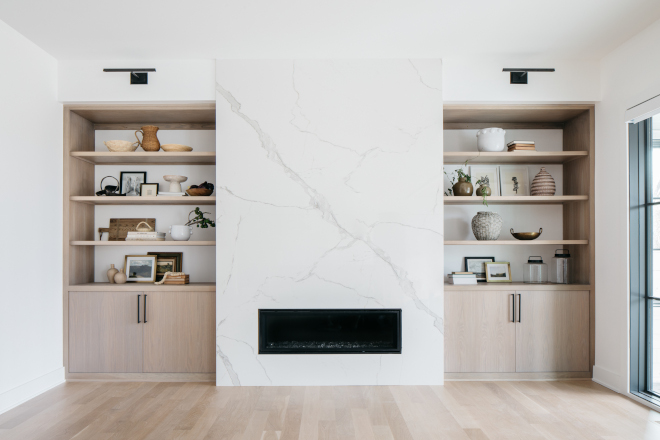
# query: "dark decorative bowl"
{"points": [[526, 235], [199, 192]]}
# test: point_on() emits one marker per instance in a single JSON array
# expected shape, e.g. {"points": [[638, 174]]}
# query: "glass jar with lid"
{"points": [[561, 267], [535, 271]]}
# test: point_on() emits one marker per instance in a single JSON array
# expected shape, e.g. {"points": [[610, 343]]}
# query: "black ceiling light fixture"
{"points": [[138, 76], [519, 76]]}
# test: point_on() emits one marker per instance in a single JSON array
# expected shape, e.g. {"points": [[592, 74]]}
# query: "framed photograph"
{"points": [[130, 181], [514, 180], [148, 189], [498, 272], [489, 171], [140, 268], [477, 266], [178, 261], [164, 265]]}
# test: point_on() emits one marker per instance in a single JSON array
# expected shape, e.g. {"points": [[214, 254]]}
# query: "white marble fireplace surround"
{"points": [[329, 177]]}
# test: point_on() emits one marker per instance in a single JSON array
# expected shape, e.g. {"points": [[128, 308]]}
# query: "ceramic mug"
{"points": [[180, 232]]}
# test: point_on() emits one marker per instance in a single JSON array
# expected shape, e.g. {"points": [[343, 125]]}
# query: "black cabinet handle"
{"points": [[513, 308], [519, 306], [145, 308], [139, 308]]}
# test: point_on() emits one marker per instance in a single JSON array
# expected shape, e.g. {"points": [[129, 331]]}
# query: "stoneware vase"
{"points": [[120, 277], [543, 184], [484, 189], [180, 232], [491, 139], [462, 187], [111, 273], [486, 225], [149, 140]]}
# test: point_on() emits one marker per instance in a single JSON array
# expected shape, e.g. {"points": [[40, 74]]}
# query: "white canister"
{"points": [[491, 139], [180, 232]]}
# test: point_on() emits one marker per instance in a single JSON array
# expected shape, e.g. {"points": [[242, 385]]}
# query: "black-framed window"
{"points": [[644, 143]]}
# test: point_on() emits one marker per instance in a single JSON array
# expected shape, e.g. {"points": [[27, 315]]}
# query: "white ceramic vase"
{"points": [[180, 232], [491, 139], [487, 225]]}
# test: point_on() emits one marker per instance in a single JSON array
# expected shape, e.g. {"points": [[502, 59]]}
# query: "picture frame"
{"points": [[514, 180], [164, 265], [178, 257], [148, 190], [490, 171], [140, 268], [498, 272], [130, 181], [477, 266]]}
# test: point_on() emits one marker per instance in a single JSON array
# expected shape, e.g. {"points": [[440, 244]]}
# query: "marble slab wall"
{"points": [[329, 195]]}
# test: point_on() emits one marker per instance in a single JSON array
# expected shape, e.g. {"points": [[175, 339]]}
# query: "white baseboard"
{"points": [[22, 393], [607, 378]]}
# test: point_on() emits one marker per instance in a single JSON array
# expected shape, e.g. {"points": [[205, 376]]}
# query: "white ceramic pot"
{"points": [[181, 232], [491, 139]]}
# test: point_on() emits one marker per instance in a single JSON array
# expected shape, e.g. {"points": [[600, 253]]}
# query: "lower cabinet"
{"points": [[141, 332], [516, 331]]}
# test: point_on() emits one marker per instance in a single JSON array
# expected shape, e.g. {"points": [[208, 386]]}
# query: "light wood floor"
{"points": [[459, 410]]}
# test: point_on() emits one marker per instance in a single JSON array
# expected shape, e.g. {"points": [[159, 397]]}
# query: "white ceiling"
{"points": [[168, 29]]}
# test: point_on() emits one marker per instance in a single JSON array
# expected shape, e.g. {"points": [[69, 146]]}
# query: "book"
{"points": [[459, 281], [461, 276], [520, 143], [144, 234], [462, 273], [170, 194], [522, 149]]}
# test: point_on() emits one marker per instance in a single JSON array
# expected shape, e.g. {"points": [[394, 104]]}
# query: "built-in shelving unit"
{"points": [[575, 213], [159, 200], [145, 158], [142, 243]]}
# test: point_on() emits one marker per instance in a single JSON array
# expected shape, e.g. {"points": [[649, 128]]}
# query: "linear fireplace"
{"points": [[319, 331]]}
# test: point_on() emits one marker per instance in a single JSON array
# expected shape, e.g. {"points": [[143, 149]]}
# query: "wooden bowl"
{"points": [[175, 148], [121, 146], [199, 192], [526, 235]]}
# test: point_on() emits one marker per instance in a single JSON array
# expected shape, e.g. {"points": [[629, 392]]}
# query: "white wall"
{"points": [[174, 80], [629, 76], [31, 218], [480, 79]]}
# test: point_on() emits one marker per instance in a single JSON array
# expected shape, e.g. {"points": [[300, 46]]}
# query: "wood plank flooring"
{"points": [[580, 410]]}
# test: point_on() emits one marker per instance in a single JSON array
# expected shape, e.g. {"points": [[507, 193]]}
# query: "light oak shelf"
{"points": [[141, 243], [145, 158], [142, 287], [160, 200], [514, 242], [516, 286], [514, 200], [516, 157]]}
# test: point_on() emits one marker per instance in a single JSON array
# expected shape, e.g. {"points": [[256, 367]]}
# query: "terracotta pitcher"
{"points": [[149, 140]]}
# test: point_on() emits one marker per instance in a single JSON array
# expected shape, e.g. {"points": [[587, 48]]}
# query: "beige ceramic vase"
{"points": [[111, 273], [543, 184], [120, 277]]}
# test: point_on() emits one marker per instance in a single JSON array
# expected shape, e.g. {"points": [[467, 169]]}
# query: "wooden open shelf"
{"points": [[141, 243], [516, 157], [514, 200], [513, 242], [142, 287], [160, 200], [516, 286], [145, 158]]}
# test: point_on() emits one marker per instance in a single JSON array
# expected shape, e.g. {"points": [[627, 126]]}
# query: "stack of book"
{"points": [[178, 279], [521, 146], [462, 278], [170, 194], [145, 236]]}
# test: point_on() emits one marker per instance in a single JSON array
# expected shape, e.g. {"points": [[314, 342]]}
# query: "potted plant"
{"points": [[484, 189], [183, 232], [486, 225], [464, 185]]}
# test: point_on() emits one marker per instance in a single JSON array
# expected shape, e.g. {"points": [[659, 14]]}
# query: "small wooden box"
{"points": [[181, 279]]}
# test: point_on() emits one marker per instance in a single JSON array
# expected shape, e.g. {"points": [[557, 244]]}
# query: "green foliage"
{"points": [[452, 179], [200, 220]]}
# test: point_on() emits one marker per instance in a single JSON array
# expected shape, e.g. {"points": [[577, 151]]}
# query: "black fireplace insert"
{"points": [[319, 331]]}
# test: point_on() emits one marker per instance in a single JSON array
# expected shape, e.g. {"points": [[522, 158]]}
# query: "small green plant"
{"points": [[484, 181], [452, 179], [199, 219]]}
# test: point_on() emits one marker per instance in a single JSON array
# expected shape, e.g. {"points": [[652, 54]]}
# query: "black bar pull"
{"points": [[519, 306], [139, 308], [513, 308], [145, 308]]}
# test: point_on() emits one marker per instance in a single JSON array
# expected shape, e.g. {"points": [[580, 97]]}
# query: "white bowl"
{"points": [[491, 139]]}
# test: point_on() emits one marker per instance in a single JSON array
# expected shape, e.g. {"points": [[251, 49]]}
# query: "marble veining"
{"points": [[327, 181]]}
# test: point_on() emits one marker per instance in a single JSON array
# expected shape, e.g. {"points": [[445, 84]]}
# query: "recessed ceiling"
{"points": [[168, 29]]}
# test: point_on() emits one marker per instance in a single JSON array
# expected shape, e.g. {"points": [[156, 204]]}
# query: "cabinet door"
{"points": [[553, 332], [179, 332], [104, 334], [480, 335]]}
